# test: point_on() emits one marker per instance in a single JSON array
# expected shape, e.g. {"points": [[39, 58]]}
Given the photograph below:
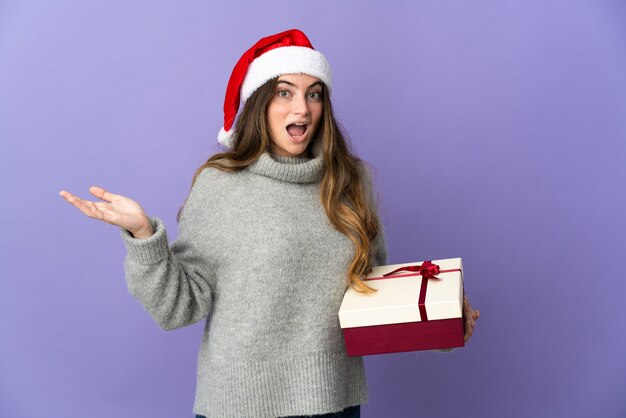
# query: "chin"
{"points": [[294, 150]]}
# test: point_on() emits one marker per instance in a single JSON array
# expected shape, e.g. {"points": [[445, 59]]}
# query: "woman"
{"points": [[272, 232]]}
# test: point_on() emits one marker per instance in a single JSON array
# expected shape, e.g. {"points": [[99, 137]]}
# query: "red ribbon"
{"points": [[427, 270]]}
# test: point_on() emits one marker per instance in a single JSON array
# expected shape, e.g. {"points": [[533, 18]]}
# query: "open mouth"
{"points": [[297, 130]]}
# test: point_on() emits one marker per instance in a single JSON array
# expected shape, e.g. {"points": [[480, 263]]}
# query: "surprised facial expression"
{"points": [[294, 113]]}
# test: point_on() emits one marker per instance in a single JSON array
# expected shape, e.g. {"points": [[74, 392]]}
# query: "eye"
{"points": [[315, 95], [283, 93]]}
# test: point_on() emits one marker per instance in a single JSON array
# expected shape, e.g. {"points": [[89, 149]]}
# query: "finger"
{"points": [[468, 312], [84, 206], [101, 193], [469, 330], [106, 213], [87, 207], [96, 212], [74, 200], [66, 195], [469, 323]]}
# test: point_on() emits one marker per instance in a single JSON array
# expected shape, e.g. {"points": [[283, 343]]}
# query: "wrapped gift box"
{"points": [[418, 306]]}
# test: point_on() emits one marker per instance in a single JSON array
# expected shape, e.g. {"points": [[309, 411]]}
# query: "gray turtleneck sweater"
{"points": [[257, 258]]}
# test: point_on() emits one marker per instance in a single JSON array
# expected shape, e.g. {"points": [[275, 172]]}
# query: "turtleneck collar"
{"points": [[292, 169]]}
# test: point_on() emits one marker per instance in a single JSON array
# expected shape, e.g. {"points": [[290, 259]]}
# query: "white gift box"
{"points": [[412, 310]]}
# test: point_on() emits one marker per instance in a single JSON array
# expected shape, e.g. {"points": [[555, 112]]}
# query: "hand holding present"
{"points": [[471, 316]]}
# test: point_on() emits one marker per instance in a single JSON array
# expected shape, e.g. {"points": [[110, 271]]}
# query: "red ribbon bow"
{"points": [[427, 270]]}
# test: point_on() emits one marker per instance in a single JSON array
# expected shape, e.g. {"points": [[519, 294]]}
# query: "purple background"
{"points": [[498, 134]]}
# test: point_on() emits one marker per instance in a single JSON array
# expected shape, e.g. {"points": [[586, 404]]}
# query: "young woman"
{"points": [[273, 231]]}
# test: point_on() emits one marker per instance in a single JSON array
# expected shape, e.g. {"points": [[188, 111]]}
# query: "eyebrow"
{"points": [[293, 85]]}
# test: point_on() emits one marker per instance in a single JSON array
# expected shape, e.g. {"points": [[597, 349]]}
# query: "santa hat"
{"points": [[288, 52]]}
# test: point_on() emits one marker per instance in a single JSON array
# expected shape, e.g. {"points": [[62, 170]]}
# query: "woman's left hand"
{"points": [[471, 316]]}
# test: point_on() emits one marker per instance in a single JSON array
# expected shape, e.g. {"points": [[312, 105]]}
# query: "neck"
{"points": [[287, 168]]}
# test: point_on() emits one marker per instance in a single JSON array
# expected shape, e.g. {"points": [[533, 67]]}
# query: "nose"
{"points": [[300, 106]]}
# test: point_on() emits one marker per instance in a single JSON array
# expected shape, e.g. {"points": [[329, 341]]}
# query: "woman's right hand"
{"points": [[116, 209]]}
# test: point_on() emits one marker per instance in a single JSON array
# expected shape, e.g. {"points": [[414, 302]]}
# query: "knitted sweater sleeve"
{"points": [[172, 283], [378, 249]]}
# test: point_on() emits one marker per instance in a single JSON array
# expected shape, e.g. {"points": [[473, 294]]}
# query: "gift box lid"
{"points": [[397, 298]]}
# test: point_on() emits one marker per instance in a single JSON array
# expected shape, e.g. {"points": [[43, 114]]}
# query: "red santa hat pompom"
{"points": [[288, 52]]}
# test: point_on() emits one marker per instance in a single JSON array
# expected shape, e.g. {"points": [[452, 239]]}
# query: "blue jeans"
{"points": [[349, 412]]}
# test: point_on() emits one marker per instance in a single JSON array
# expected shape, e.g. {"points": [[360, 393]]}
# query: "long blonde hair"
{"points": [[342, 190]]}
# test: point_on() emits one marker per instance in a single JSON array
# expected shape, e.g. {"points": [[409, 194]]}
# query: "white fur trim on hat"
{"points": [[226, 138], [285, 60]]}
